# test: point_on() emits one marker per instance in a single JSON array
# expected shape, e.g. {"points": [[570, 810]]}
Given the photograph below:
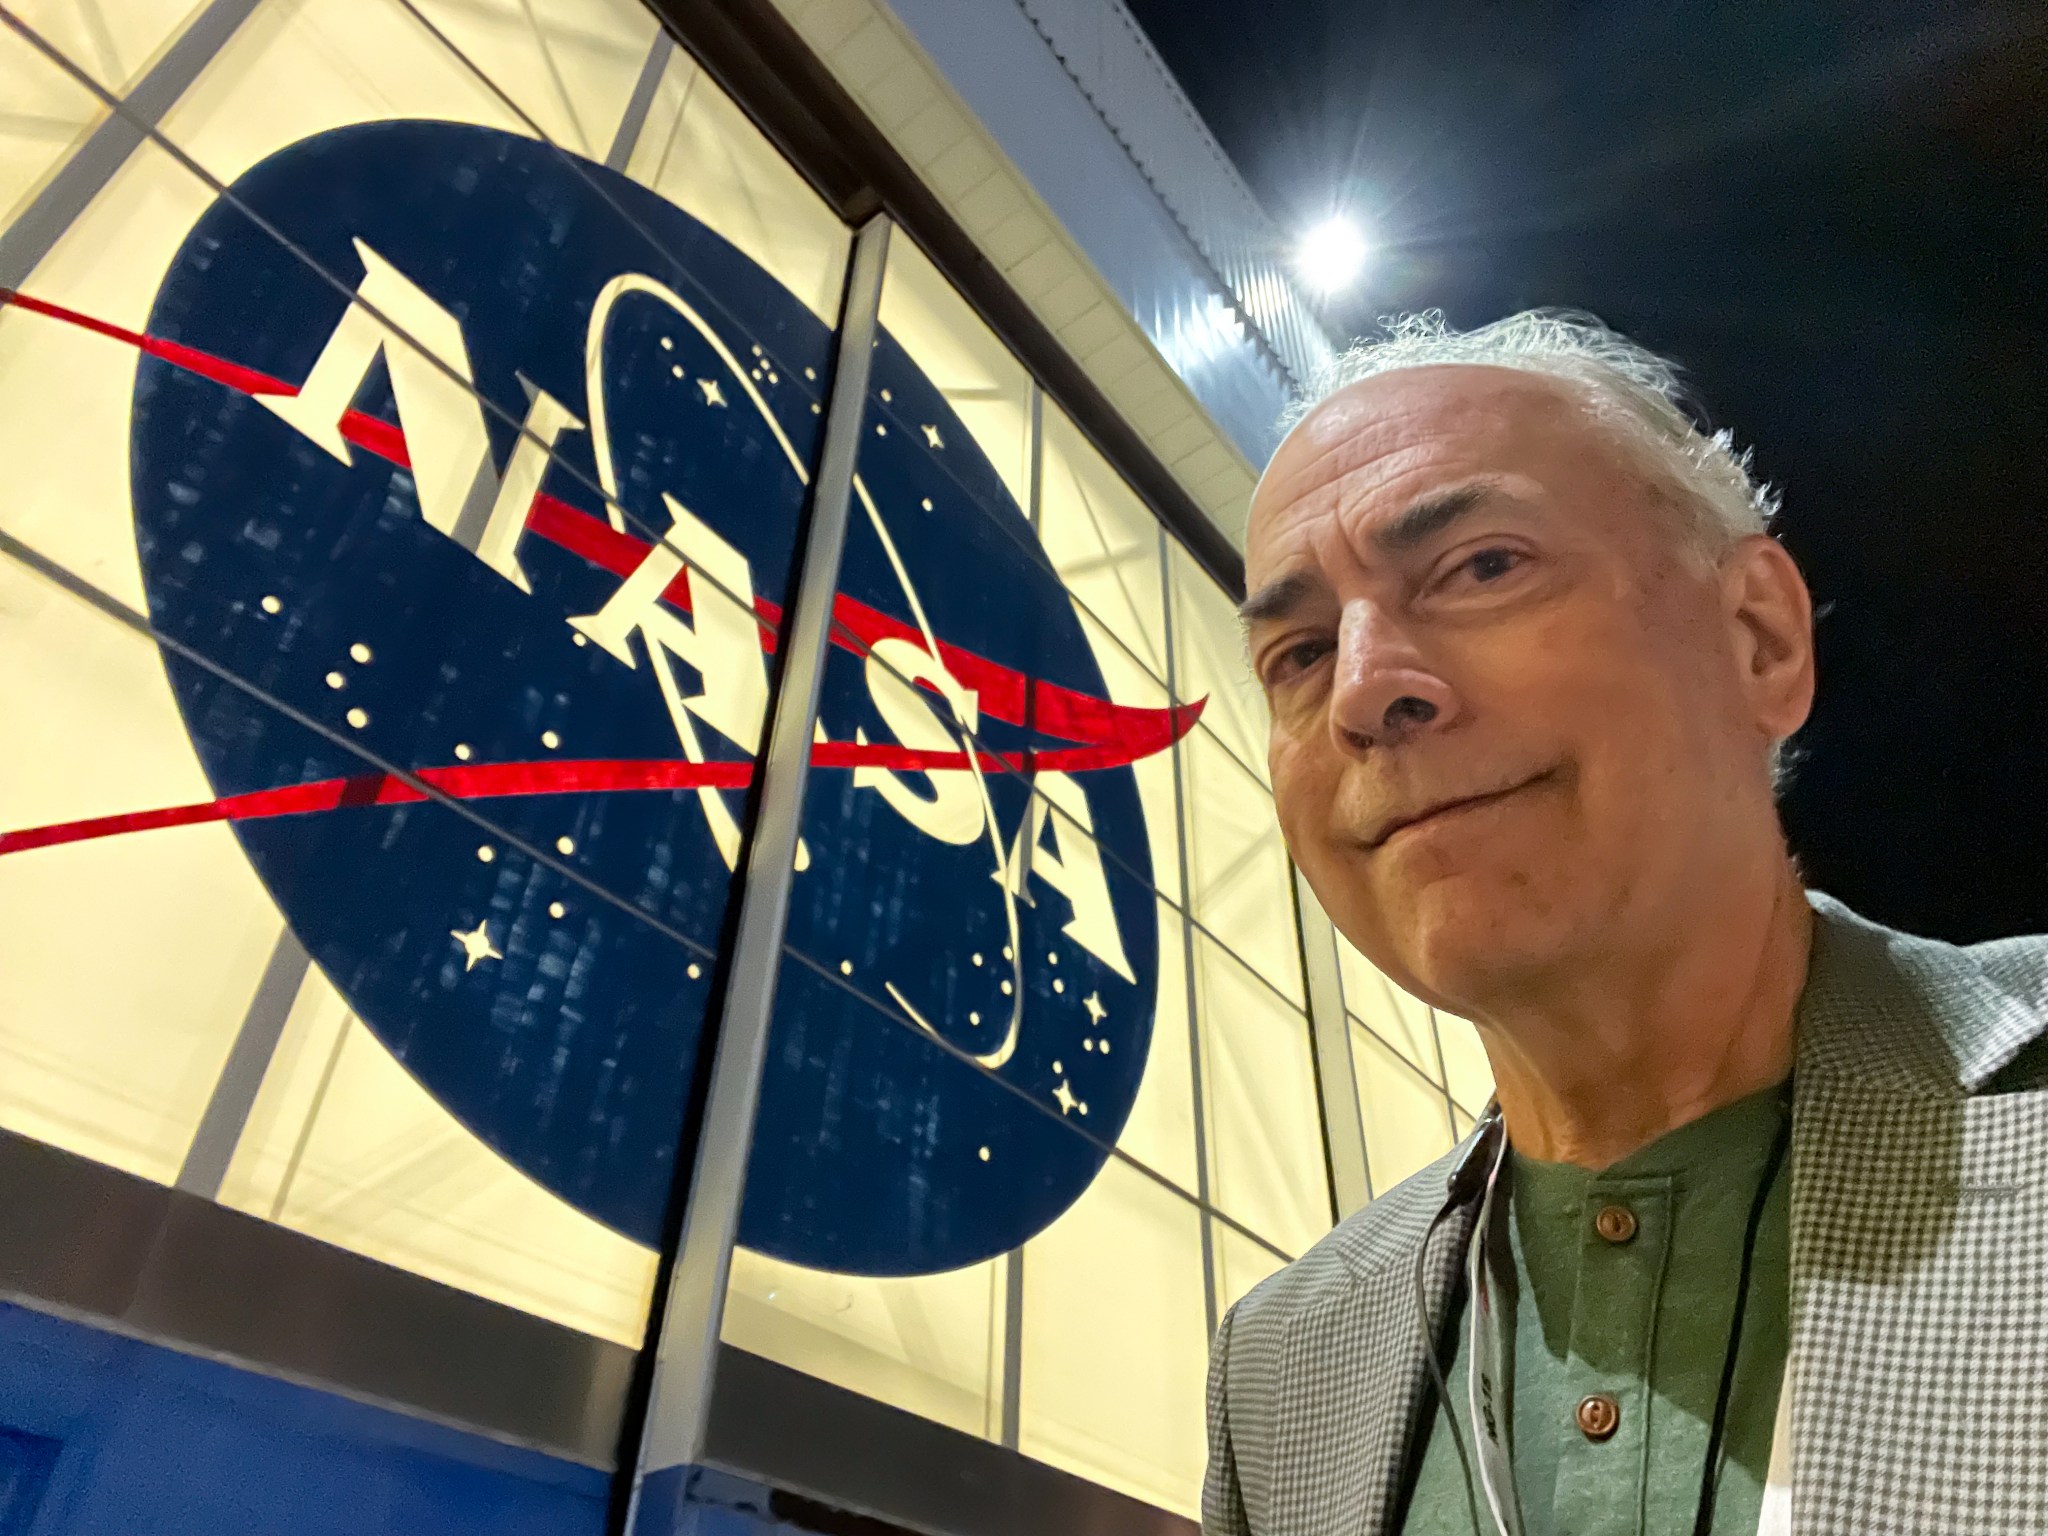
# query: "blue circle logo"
{"points": [[488, 464]]}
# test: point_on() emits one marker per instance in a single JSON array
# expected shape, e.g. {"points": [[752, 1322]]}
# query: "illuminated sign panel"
{"points": [[350, 547]]}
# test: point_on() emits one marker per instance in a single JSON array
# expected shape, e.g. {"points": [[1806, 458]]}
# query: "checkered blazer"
{"points": [[1919, 1225]]}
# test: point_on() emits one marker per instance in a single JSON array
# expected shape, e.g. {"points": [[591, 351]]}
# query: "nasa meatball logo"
{"points": [[539, 561]]}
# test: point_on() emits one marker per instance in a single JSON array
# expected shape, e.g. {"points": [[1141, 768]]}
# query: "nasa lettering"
{"points": [[487, 462]]}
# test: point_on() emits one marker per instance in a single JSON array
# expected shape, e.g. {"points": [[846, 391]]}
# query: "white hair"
{"points": [[1624, 381]]}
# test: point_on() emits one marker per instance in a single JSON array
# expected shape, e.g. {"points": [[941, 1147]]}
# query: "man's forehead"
{"points": [[1398, 430]]}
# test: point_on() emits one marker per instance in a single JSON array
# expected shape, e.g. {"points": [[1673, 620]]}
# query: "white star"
{"points": [[932, 438], [1096, 1012], [476, 946], [713, 395], [1064, 1094]]}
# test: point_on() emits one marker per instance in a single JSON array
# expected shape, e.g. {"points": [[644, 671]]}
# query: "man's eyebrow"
{"points": [[1415, 524], [1275, 600], [1425, 519]]}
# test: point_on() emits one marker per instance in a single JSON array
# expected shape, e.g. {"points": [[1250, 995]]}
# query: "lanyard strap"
{"points": [[1486, 1347]]}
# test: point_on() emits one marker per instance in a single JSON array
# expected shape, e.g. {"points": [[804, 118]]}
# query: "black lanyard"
{"points": [[1710, 1473]]}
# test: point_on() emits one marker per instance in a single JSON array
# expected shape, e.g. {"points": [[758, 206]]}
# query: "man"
{"points": [[1765, 1193]]}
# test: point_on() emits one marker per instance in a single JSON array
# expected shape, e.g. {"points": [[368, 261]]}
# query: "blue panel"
{"points": [[25, 1463], [102, 1435], [114, 1436]]}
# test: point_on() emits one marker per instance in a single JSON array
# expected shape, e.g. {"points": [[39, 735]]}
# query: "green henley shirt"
{"points": [[1636, 1306]]}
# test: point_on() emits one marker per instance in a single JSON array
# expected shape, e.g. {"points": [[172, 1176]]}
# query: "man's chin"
{"points": [[1465, 933]]}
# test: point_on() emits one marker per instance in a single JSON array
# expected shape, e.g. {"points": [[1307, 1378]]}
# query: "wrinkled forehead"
{"points": [[1400, 435]]}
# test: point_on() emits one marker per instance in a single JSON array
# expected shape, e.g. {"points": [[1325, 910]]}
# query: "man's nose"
{"points": [[1385, 693]]}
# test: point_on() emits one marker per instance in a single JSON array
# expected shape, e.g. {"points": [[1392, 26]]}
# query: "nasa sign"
{"points": [[458, 455]]}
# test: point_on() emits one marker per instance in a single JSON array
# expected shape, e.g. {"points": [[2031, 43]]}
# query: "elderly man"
{"points": [[1763, 1201]]}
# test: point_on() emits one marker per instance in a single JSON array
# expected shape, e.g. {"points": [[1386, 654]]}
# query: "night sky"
{"points": [[1833, 215]]}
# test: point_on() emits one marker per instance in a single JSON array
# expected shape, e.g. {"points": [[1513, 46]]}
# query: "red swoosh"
{"points": [[1111, 735]]}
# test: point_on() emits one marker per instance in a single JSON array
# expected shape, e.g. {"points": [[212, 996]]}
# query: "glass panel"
{"points": [[570, 64], [1132, 688], [1242, 885], [1161, 1131], [938, 1090], [1265, 1122], [1399, 1019], [476, 1073], [1116, 1342], [114, 1061], [1407, 1121], [1209, 662], [346, 1145], [352, 1136], [985, 389], [1103, 541], [1240, 1264], [700, 152], [47, 112], [291, 71], [1465, 1063], [930, 1344], [114, 41]]}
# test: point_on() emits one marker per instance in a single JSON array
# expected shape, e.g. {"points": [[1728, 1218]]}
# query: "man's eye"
{"points": [[1489, 564], [1292, 660], [1492, 564]]}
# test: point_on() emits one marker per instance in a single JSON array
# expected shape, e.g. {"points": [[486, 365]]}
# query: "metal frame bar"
{"points": [[685, 1341], [248, 1062], [25, 242], [634, 119], [1010, 1424], [1330, 1042], [1011, 1427], [1204, 1199]]}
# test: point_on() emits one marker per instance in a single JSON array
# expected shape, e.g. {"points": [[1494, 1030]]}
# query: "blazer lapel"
{"points": [[1354, 1380]]}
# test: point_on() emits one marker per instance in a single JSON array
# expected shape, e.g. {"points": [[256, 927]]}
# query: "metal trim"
{"points": [[686, 1341], [1114, 65], [778, 1426], [83, 1240]]}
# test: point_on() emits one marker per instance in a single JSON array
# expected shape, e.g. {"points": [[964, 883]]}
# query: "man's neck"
{"points": [[1627, 1052]]}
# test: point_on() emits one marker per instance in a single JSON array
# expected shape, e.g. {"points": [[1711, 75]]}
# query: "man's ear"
{"points": [[1770, 614]]}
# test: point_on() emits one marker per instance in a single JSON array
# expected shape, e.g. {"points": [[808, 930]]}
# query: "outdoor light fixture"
{"points": [[1331, 255]]}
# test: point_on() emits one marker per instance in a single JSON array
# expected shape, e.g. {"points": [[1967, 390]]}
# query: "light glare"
{"points": [[1331, 255]]}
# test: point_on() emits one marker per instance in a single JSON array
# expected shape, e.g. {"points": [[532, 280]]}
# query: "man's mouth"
{"points": [[1398, 824]]}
